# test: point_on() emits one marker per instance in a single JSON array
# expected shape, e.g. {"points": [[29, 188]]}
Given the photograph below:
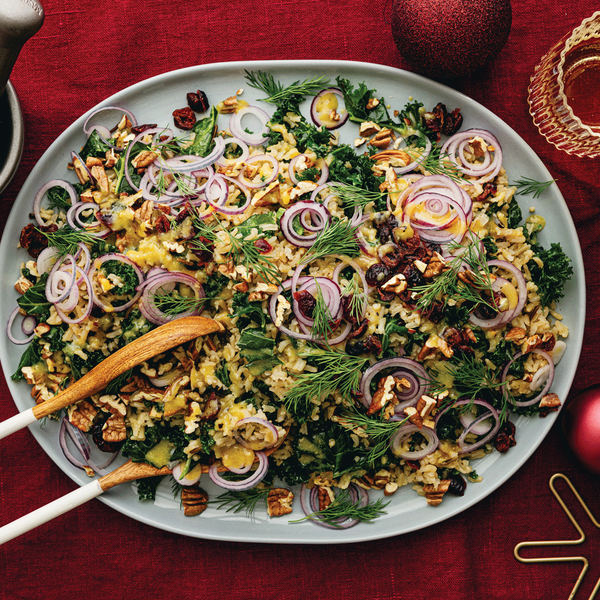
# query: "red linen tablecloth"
{"points": [[88, 50]]}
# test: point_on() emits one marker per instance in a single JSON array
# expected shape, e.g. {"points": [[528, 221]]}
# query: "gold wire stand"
{"points": [[580, 540]]}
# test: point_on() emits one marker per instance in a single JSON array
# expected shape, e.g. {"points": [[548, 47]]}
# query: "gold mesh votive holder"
{"points": [[548, 102]]}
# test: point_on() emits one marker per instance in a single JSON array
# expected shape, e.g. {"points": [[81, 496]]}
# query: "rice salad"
{"points": [[386, 307]]}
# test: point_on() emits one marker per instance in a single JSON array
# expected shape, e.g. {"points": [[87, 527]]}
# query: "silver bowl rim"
{"points": [[13, 158]]}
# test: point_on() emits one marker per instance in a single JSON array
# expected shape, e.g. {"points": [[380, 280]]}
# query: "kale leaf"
{"points": [[553, 275]]}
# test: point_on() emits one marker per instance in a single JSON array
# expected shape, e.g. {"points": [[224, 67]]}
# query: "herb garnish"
{"points": [[281, 96], [344, 508], [337, 237], [527, 185], [66, 240], [336, 371], [237, 502]]}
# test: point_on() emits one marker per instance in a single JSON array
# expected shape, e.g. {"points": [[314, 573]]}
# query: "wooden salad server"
{"points": [[130, 471], [165, 337]]}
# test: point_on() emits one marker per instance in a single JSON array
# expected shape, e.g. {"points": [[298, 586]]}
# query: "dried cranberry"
{"points": [[369, 345], [197, 101], [141, 128], [413, 276], [184, 118], [263, 246], [347, 308], [458, 485], [359, 330], [391, 254], [377, 274], [488, 189], [506, 437], [385, 296], [203, 250], [33, 240], [306, 303], [435, 312]]}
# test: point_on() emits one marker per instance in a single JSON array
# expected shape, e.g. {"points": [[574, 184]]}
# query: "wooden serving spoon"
{"points": [[130, 471], [158, 340]]}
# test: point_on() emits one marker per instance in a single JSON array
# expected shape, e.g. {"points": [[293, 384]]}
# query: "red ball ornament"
{"points": [[581, 427], [450, 38]]}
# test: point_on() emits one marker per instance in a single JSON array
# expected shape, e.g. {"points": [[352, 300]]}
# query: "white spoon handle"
{"points": [[50, 511], [17, 422]]}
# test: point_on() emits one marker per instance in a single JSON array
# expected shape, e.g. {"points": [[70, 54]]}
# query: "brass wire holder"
{"points": [[580, 540]]}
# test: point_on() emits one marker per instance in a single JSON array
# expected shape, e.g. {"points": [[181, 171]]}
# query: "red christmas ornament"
{"points": [[450, 38], [581, 427]]}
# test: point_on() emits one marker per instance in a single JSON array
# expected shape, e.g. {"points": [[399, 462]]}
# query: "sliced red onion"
{"points": [[314, 112], [97, 264], [502, 318], [37, 202], [454, 148], [399, 367], [406, 431], [474, 425], [76, 158], [320, 164], [262, 423], [547, 382], [81, 277], [45, 259], [231, 161], [246, 484], [218, 199], [309, 500], [312, 213], [237, 129], [417, 161], [87, 128], [482, 426], [160, 283], [177, 472], [258, 158], [9, 334], [61, 280]]}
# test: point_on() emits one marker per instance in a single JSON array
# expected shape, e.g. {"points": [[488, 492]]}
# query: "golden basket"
{"points": [[548, 103]]}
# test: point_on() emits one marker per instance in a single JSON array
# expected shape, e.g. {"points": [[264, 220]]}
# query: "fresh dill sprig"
{"points": [[343, 507], [335, 371], [65, 240], [355, 197], [527, 185], [448, 286], [279, 95], [172, 304], [237, 502], [435, 164], [358, 298], [473, 378], [322, 326], [243, 250], [338, 237], [379, 432]]}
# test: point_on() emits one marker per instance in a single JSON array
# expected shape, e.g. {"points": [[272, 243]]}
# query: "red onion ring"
{"points": [[454, 149], [502, 318], [185, 481], [240, 486], [223, 162], [314, 113], [37, 201], [547, 383], [97, 264], [9, 333], [320, 164], [402, 368], [236, 128], [258, 421], [407, 430], [304, 211], [151, 286], [309, 500], [87, 129], [218, 200], [62, 313], [268, 180]]}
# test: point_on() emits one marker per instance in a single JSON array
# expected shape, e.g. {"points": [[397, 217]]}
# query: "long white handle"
{"points": [[50, 511], [17, 422]]}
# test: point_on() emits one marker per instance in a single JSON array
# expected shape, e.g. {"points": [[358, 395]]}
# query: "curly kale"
{"points": [[553, 275]]}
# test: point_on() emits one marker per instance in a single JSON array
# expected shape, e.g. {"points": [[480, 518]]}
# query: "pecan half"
{"points": [[435, 495], [279, 502], [194, 500]]}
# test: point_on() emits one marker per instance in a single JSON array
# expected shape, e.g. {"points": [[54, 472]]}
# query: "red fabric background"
{"points": [[88, 50]]}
